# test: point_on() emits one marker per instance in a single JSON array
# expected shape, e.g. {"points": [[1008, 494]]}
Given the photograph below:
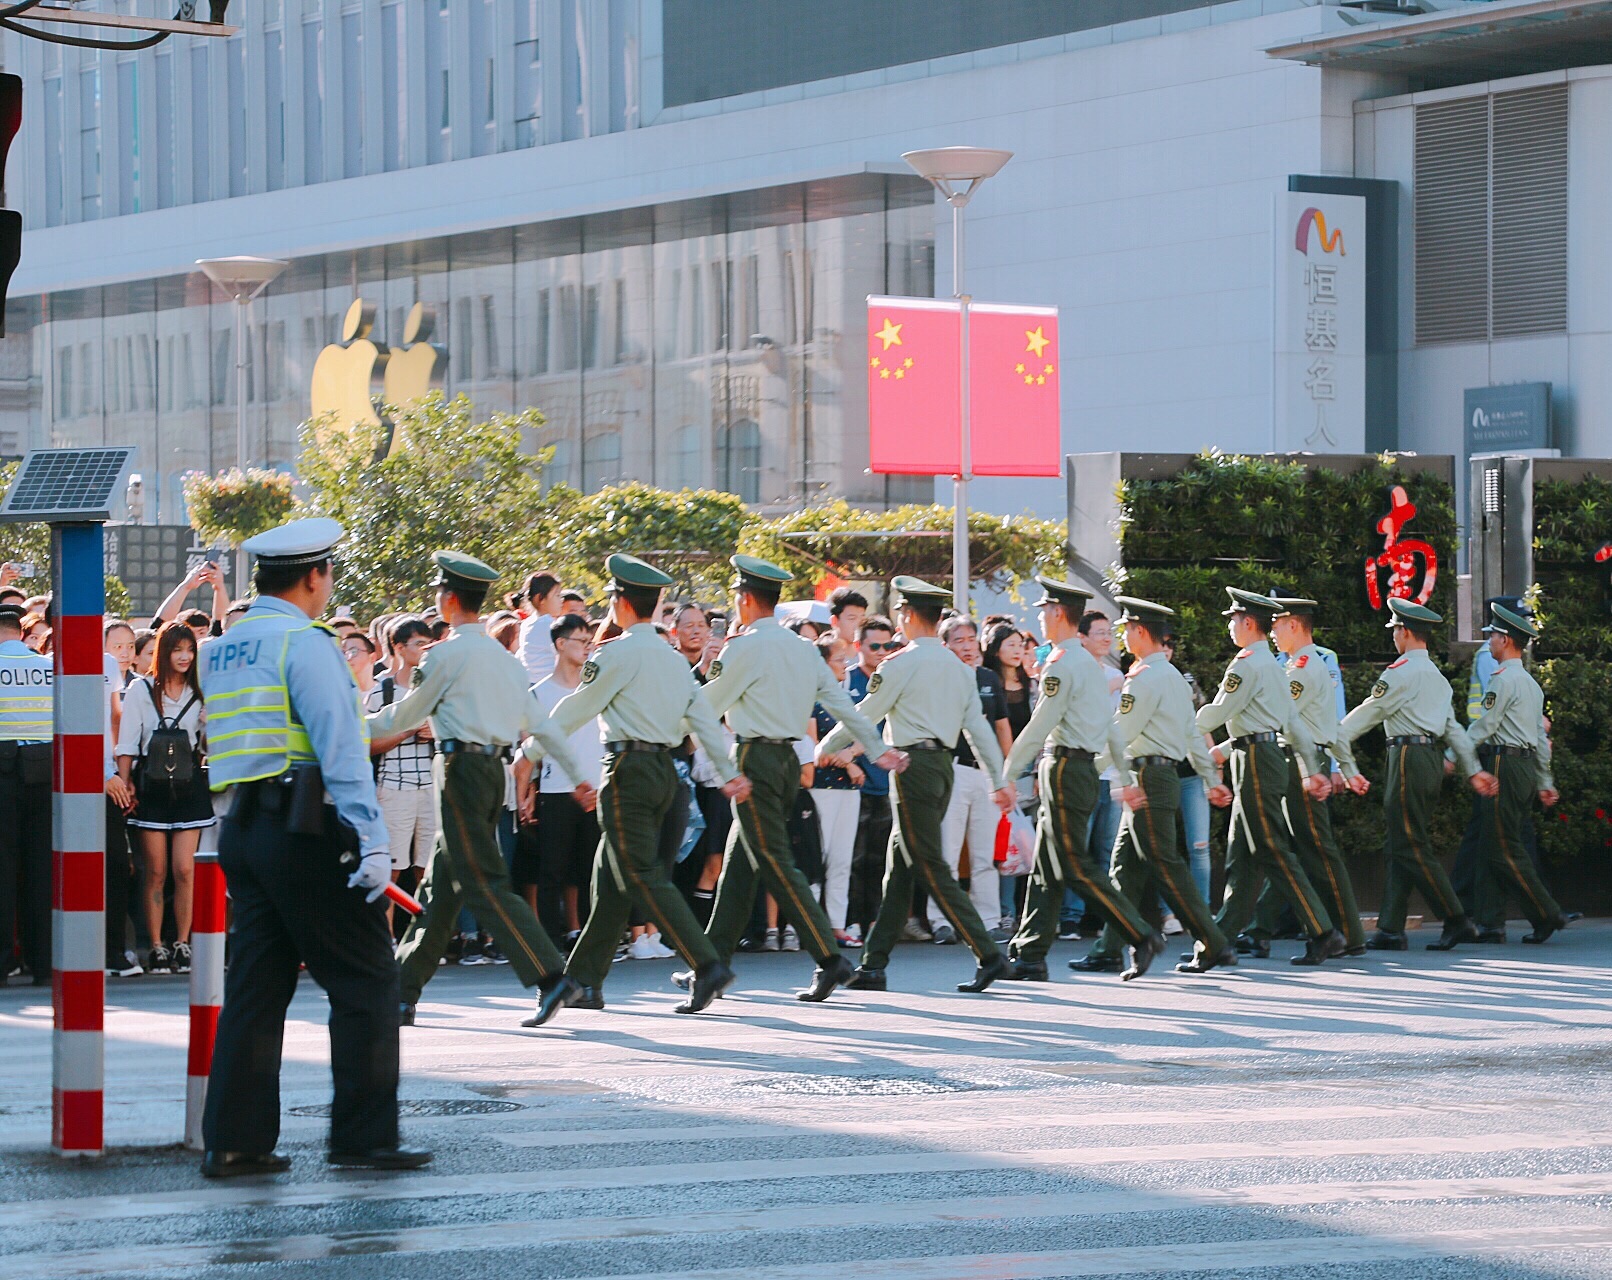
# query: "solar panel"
{"points": [[66, 485]]}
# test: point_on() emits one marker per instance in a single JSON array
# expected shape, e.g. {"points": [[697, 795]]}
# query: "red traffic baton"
{"points": [[402, 899]]}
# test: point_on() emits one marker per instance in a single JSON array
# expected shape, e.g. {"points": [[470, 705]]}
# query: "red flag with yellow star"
{"points": [[1013, 379], [914, 386]]}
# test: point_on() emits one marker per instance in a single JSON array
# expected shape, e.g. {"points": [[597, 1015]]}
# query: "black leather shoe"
{"points": [[1540, 935], [395, 1158], [1097, 964], [863, 979], [1495, 936], [1458, 930], [1143, 956], [1202, 962], [405, 1015], [1027, 971], [591, 998], [1352, 952], [825, 978], [985, 974], [242, 1164], [560, 992], [1322, 947], [709, 983], [1387, 940], [683, 979], [1255, 948]]}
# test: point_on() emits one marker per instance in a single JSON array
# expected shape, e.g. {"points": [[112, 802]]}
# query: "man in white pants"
{"points": [[972, 815]]}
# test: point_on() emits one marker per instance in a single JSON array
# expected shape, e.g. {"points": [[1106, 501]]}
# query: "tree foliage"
{"points": [[236, 505]]}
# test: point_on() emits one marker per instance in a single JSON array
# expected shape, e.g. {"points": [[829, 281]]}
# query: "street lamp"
{"points": [[956, 173], [243, 279]]}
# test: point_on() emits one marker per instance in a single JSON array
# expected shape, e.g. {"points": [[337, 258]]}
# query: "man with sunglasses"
{"points": [[875, 641]]}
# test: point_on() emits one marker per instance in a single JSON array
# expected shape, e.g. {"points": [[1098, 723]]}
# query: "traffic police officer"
{"points": [[1512, 744], [1412, 702], [285, 732], [649, 701], [765, 681], [926, 698], [1076, 712], [1255, 705], [27, 685], [477, 696]]}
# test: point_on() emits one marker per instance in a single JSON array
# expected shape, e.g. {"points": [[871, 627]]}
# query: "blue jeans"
{"points": [[1101, 833], [1195, 818]]}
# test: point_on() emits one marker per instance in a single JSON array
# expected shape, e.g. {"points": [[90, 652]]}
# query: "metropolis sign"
{"points": [[1507, 418]]}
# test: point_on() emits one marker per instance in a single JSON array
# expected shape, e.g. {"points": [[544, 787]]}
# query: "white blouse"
{"points": [[140, 718]]}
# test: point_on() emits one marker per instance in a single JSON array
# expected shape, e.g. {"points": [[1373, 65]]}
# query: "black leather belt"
{"points": [[632, 744], [1412, 740], [454, 747], [1503, 749], [925, 744], [1169, 762], [1249, 739], [766, 742], [1073, 753]]}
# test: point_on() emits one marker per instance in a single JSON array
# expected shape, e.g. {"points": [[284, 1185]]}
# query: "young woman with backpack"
{"points": [[161, 745]]}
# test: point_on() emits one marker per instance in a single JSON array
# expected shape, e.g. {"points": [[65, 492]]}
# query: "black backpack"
{"points": [[169, 756]]}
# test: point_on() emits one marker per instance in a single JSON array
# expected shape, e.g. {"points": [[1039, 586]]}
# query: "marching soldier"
{"points": [[649, 701], [1076, 712], [1512, 745], [1256, 706], [27, 686], [1412, 703], [285, 732], [475, 693], [1158, 733], [765, 681], [927, 698]]}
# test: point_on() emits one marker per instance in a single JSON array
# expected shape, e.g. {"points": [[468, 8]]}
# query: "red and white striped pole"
{"points": [[78, 871], [206, 989]]}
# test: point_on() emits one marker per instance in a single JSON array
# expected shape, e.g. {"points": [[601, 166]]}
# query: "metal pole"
{"points": [[242, 302], [960, 569], [206, 989]]}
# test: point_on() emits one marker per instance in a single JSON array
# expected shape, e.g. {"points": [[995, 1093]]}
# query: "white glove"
{"points": [[374, 873]]}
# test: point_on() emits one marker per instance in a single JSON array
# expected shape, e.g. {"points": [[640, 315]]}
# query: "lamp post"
{"points": [[243, 278], [956, 172]]}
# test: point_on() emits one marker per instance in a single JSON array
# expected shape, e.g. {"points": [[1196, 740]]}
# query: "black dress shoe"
{"points": [[554, 994], [709, 983], [865, 979], [1320, 948], [591, 998], [1387, 940], [1456, 930], [1352, 952], [825, 978], [1096, 964], [1541, 934], [1150, 949], [397, 1158], [985, 974], [242, 1164], [405, 1015], [1495, 936], [1257, 948], [1202, 961], [1027, 971]]}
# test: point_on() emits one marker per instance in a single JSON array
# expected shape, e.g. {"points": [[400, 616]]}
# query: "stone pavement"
{"points": [[1409, 1115]]}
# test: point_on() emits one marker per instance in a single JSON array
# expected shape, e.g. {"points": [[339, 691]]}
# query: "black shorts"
{"points": [[558, 848]]}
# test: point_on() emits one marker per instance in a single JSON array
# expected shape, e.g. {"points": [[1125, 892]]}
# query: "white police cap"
{"points": [[296, 543]]}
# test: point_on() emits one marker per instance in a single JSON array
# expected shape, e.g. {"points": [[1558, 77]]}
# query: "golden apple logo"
{"points": [[414, 369], [349, 374]]}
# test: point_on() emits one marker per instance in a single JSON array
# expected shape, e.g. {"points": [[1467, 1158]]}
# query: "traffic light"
{"points": [[10, 219]]}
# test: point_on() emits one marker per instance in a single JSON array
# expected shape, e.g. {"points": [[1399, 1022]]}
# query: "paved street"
{"points": [[1410, 1115]]}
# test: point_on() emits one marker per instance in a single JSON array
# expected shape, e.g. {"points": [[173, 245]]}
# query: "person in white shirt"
{"points": [[403, 776], [536, 645]]}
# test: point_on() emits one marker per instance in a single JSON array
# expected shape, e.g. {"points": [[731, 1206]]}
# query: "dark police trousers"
{"points": [[25, 848], [292, 905]]}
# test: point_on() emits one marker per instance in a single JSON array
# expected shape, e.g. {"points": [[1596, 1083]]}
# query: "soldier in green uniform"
{"points": [[649, 701], [1156, 728], [1256, 707], [1412, 702], [926, 697], [765, 681], [477, 697], [1511, 741], [1076, 713]]}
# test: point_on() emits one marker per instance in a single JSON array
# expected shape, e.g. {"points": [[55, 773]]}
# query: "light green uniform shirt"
{"points": [[1074, 710], [766, 681], [925, 691], [1316, 703], [473, 689], [1412, 697], [1155, 718], [1513, 715], [1254, 698], [644, 691]]}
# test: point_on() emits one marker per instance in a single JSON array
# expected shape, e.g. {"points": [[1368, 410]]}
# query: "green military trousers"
{"points": [[919, 797], [1504, 867], [1063, 859], [1260, 846], [639, 789], [467, 869], [1149, 863], [1415, 774], [1310, 822], [758, 848]]}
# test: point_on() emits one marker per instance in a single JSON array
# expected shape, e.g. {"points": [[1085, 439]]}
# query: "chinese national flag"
{"points": [[914, 426], [1013, 380]]}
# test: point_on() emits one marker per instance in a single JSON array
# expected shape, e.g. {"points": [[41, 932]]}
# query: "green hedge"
{"points": [[1571, 521]]}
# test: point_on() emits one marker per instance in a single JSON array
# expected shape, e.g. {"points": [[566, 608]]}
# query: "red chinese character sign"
{"points": [[1407, 568]]}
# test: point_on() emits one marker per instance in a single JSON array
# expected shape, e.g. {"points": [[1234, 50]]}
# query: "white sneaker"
{"points": [[771, 944], [1171, 927], [644, 947], [913, 931], [662, 951], [790, 940]]}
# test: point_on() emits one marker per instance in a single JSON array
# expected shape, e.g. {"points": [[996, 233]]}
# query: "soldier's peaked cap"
{"points": [[1511, 623], [1056, 591], [1294, 606], [1408, 611], [1262, 607], [917, 591], [298, 542], [1149, 614], [629, 572], [458, 572], [752, 570]]}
